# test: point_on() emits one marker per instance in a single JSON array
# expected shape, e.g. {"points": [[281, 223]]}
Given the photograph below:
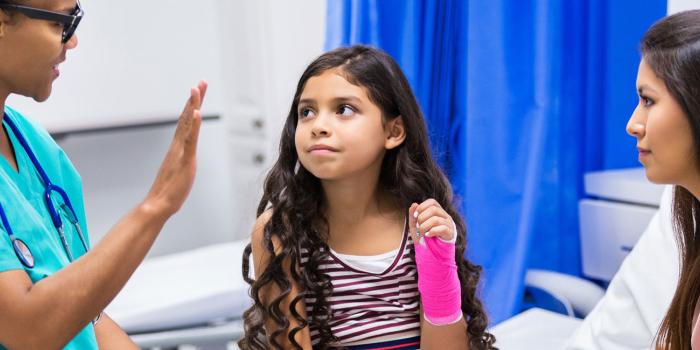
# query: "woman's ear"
{"points": [[395, 131], [4, 21]]}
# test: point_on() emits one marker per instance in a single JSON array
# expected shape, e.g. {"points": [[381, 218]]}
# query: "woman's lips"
{"points": [[643, 152]]}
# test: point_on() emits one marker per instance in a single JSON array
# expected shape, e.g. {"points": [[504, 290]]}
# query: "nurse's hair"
{"points": [[671, 47], [294, 197]]}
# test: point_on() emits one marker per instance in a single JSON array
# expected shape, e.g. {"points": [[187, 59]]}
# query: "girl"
{"points": [[357, 243], [51, 287], [666, 124]]}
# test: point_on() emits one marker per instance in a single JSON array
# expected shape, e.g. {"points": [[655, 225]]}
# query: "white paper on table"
{"points": [[183, 289]]}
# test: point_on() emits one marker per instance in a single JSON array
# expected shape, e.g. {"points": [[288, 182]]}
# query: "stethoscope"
{"points": [[21, 249]]}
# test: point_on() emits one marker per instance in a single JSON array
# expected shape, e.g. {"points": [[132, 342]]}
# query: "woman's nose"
{"points": [[635, 126], [72, 42]]}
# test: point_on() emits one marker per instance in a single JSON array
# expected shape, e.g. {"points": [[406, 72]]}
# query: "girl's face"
{"points": [[31, 50], [664, 139], [340, 132]]}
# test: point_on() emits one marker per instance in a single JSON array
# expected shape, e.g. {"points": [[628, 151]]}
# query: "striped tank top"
{"points": [[371, 308]]}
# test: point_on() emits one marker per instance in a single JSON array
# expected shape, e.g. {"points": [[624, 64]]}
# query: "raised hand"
{"points": [[176, 174]]}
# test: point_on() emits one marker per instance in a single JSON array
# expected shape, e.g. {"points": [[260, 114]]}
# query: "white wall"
{"points": [[135, 62], [682, 5], [251, 52]]}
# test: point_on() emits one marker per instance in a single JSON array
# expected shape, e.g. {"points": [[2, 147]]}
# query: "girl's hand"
{"points": [[432, 230], [429, 219], [176, 175]]}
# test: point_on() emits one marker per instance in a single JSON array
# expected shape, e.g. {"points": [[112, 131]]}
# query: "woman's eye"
{"points": [[346, 110], [305, 112], [646, 101]]}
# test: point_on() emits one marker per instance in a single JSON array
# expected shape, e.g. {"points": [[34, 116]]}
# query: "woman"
{"points": [[52, 288], [666, 124]]}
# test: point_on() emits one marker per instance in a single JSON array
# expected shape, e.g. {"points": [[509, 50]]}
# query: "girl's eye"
{"points": [[346, 110], [305, 112], [646, 102]]}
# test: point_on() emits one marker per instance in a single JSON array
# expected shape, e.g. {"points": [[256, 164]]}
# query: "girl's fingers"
{"points": [[412, 222], [427, 204], [431, 217], [442, 231], [431, 222]]}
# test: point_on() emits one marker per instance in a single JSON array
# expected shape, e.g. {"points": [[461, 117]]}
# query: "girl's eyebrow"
{"points": [[347, 99], [335, 100]]}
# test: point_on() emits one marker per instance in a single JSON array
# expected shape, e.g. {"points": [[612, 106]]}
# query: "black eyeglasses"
{"points": [[70, 22]]}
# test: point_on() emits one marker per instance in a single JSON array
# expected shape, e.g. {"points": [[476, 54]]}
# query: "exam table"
{"points": [[194, 297]]}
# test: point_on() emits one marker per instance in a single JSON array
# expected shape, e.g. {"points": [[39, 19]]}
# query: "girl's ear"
{"points": [[395, 133]]}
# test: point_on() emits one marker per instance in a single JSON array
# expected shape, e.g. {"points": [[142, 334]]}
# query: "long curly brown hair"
{"points": [[409, 174]]}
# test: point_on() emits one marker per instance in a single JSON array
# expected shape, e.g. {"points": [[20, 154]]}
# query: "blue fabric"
{"points": [[521, 98]]}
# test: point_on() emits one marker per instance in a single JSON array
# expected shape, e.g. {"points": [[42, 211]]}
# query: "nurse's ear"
{"points": [[4, 21]]}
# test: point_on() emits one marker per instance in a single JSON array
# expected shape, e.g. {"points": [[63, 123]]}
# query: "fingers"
{"points": [[432, 220], [190, 120], [412, 222], [203, 85], [193, 136]]}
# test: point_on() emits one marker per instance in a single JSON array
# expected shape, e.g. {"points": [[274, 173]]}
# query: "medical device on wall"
{"points": [[620, 205]]}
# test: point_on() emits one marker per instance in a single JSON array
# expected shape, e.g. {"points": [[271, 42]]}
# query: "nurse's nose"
{"points": [[72, 42]]}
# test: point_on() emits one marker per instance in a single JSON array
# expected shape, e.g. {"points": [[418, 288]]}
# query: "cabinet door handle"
{"points": [[258, 158]]}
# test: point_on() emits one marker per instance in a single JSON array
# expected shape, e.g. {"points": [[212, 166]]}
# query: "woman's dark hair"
{"points": [[294, 196], [671, 47]]}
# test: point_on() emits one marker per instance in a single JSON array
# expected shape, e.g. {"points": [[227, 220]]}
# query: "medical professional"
{"points": [[666, 124], [629, 315], [53, 288]]}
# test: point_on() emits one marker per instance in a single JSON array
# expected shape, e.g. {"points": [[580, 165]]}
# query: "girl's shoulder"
{"points": [[257, 237]]}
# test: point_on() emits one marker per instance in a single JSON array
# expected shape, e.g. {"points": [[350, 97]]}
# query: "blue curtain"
{"points": [[521, 98]]}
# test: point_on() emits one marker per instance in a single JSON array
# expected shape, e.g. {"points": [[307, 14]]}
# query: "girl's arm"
{"points": [[442, 324], [451, 336], [261, 259], [48, 314]]}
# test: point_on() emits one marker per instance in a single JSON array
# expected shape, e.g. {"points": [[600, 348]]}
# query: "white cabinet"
{"points": [[620, 207]]}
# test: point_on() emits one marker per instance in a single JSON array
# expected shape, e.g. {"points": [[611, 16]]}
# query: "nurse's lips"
{"points": [[55, 69]]}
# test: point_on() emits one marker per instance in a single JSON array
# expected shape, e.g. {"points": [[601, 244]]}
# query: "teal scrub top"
{"points": [[21, 196]]}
